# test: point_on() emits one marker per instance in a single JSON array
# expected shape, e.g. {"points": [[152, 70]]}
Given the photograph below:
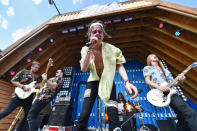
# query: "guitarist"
{"points": [[52, 87], [154, 77], [22, 78]]}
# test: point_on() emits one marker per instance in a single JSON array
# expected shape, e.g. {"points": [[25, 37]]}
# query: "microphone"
{"points": [[89, 43], [92, 41]]}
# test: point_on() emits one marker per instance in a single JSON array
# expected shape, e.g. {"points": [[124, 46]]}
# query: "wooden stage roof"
{"points": [[134, 29]]}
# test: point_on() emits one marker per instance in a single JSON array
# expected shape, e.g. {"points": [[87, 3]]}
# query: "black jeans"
{"points": [[187, 117], [88, 103], [13, 104], [33, 114]]}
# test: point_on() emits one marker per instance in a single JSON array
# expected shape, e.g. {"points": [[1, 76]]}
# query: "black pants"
{"points": [[89, 99], [13, 104], [187, 117], [33, 114]]}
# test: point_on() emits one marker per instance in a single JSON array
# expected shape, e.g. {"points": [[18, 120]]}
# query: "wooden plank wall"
{"points": [[6, 90]]}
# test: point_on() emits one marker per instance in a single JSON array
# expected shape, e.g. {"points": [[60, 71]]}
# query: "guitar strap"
{"points": [[162, 68], [165, 93]]}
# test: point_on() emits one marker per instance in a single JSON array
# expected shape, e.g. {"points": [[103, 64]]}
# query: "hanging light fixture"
{"points": [[178, 32]]}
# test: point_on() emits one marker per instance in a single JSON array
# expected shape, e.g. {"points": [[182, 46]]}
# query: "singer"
{"points": [[101, 59]]}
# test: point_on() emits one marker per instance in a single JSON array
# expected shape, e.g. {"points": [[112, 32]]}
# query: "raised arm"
{"points": [[85, 60], [53, 85]]}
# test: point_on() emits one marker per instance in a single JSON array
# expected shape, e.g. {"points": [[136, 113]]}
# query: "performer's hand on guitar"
{"points": [[181, 78], [26, 88], [44, 77], [164, 88], [37, 86], [131, 89]]}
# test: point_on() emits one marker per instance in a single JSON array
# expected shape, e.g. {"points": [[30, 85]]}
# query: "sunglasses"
{"points": [[58, 71]]}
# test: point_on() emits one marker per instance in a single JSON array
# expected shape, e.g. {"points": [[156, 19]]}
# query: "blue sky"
{"points": [[19, 17]]}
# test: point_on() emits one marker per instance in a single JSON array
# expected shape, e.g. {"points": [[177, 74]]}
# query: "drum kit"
{"points": [[130, 109]]}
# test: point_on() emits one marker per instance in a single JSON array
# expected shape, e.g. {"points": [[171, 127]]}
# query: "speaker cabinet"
{"points": [[167, 125], [61, 115]]}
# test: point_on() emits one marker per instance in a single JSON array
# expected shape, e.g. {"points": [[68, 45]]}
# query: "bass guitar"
{"points": [[50, 63], [160, 99]]}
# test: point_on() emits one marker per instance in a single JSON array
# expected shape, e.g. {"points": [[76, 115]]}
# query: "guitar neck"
{"points": [[182, 73], [46, 72]]}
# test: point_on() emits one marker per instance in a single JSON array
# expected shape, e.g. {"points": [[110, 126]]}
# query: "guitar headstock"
{"points": [[193, 65], [50, 63]]}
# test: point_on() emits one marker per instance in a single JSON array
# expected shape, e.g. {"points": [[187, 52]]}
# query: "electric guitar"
{"points": [[22, 94], [160, 99]]}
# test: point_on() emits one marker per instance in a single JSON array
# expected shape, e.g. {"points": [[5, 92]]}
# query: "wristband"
{"points": [[23, 87], [125, 82], [45, 81]]}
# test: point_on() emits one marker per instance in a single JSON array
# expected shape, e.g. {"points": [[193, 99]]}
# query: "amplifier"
{"points": [[60, 115], [63, 100]]}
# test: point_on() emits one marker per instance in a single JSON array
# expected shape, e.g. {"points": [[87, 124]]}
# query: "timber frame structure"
{"points": [[61, 39]]}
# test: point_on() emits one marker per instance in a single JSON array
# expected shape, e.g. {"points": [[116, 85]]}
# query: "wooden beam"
{"points": [[81, 40], [55, 56], [177, 20], [170, 51], [18, 54], [186, 37], [181, 47]]}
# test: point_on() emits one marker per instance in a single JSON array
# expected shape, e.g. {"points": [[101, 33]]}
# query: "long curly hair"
{"points": [[102, 27]]}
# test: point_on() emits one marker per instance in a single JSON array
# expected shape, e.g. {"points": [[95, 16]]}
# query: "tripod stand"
{"points": [[143, 127]]}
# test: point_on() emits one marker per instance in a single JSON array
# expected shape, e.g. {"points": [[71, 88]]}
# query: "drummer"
{"points": [[128, 109], [124, 106], [121, 104]]}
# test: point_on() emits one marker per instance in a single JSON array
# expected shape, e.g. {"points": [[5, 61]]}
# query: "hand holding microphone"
{"points": [[92, 41]]}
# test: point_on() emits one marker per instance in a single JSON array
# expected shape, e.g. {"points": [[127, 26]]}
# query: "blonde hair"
{"points": [[100, 23], [148, 60]]}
